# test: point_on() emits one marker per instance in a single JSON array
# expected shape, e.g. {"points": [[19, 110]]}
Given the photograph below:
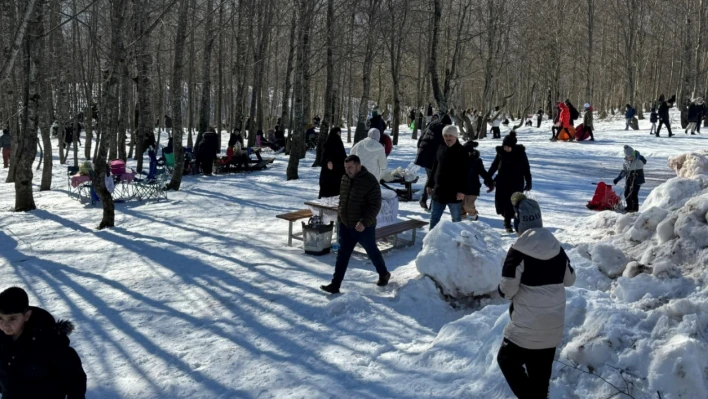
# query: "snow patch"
{"points": [[610, 260], [646, 224], [690, 164]]}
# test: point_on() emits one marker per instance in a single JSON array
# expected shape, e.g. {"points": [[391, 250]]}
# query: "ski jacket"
{"points": [[534, 276], [359, 199], [372, 156], [629, 113], [564, 118], [633, 170]]}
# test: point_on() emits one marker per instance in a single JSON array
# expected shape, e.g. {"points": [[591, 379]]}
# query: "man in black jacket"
{"points": [[448, 180], [36, 360], [359, 204], [428, 144], [208, 147], [664, 113]]}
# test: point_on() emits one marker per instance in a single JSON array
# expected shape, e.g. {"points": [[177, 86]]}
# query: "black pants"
{"points": [[496, 133], [207, 166], [348, 238], [533, 382], [631, 196], [429, 173], [538, 122], [589, 130], [668, 127], [554, 132]]}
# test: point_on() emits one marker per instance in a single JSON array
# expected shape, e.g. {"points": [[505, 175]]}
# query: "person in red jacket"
{"points": [[386, 142], [563, 119]]}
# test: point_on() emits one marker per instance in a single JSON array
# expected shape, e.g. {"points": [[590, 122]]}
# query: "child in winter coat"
{"points": [[633, 173], [36, 360], [653, 118], [587, 121], [475, 170]]}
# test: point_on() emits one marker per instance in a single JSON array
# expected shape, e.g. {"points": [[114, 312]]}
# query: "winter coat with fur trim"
{"points": [[40, 363], [514, 174], [534, 276]]}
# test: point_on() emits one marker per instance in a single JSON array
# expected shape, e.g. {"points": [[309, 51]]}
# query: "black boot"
{"points": [[331, 288], [383, 279]]}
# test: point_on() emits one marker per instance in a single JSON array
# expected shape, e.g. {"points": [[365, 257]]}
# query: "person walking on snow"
{"points": [[5, 144], [359, 204], [653, 118], [428, 144], [448, 180], [332, 164], [695, 115], [535, 272], [496, 122], [539, 117], [628, 115], [664, 113], [371, 153], [514, 175], [633, 173], [36, 359], [563, 120], [587, 121], [475, 170]]}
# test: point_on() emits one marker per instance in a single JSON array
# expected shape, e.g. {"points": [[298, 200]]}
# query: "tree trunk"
{"points": [[298, 132], [17, 42], [588, 62], [176, 96], [46, 112], [328, 98], [26, 147], [361, 131], [205, 102], [191, 88], [146, 123], [288, 71]]}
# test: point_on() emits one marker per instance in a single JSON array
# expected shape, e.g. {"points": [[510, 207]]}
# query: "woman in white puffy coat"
{"points": [[371, 153]]}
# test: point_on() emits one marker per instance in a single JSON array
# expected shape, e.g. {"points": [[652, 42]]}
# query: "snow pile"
{"points": [[349, 303], [674, 193], [646, 224], [610, 260], [690, 164], [463, 258]]}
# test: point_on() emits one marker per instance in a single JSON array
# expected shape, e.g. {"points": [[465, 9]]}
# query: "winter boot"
{"points": [[331, 288], [383, 280]]}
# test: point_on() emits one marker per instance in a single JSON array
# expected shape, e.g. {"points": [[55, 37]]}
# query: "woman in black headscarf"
{"points": [[332, 164]]}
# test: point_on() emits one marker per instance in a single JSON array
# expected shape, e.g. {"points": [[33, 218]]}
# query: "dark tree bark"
{"points": [[329, 100], [360, 132], [205, 102], [176, 96], [143, 58]]}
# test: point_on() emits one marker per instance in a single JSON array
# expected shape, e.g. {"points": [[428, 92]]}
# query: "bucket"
{"points": [[317, 237]]}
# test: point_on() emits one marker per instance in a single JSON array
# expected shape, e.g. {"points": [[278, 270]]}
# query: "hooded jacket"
{"points": [[564, 118], [695, 112], [428, 144], [514, 175], [449, 175], [5, 140], [372, 155], [330, 180], [475, 170], [633, 170], [40, 363], [359, 199], [534, 276], [629, 113]]}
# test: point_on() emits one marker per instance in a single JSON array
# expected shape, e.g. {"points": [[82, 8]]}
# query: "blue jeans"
{"points": [[437, 209], [348, 238]]}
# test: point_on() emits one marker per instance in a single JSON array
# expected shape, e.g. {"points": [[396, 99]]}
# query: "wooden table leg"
{"points": [[290, 234]]}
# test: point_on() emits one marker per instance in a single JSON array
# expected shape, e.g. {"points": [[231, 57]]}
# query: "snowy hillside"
{"points": [[200, 296]]}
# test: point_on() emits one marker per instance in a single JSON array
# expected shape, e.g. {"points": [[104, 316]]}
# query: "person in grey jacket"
{"points": [[633, 173], [5, 143], [534, 276]]}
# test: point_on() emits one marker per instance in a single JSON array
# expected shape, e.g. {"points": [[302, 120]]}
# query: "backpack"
{"points": [[574, 114]]}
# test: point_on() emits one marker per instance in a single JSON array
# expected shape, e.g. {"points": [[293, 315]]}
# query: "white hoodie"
{"points": [[372, 156]]}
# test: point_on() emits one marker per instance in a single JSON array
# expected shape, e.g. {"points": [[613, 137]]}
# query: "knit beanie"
{"points": [[451, 131], [509, 140], [528, 213], [628, 151], [374, 134], [470, 146], [446, 120], [13, 300]]}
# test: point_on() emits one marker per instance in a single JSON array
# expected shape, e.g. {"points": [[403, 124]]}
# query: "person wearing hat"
{"points": [[664, 113], [36, 360], [428, 144], [475, 170], [628, 115], [371, 153], [377, 121], [633, 173], [539, 117], [587, 121], [448, 179], [535, 272], [514, 175], [695, 115]]}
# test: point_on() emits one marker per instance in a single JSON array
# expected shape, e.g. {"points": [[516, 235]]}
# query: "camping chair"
{"points": [[153, 184], [80, 191]]}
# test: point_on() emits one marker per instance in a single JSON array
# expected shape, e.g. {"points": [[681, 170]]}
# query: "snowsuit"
{"points": [[41, 363], [514, 175], [330, 180], [664, 117], [208, 148], [534, 276], [475, 170], [448, 177], [5, 144], [372, 156], [359, 201], [633, 173]]}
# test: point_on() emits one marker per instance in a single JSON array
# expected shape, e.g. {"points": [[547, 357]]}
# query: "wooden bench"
{"points": [[398, 228], [291, 218]]}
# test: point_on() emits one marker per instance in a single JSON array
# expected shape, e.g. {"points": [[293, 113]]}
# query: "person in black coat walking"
{"points": [[332, 164], [448, 180], [377, 121], [428, 144], [664, 113], [36, 359], [539, 117], [514, 175], [208, 148], [475, 170], [695, 115]]}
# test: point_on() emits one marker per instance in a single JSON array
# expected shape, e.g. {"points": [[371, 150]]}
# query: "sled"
{"points": [[604, 199], [566, 134], [634, 123], [581, 133]]}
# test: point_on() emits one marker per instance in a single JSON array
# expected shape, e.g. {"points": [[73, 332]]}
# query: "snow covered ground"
{"points": [[200, 297]]}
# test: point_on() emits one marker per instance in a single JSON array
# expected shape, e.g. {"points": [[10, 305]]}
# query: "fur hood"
{"points": [[515, 148]]}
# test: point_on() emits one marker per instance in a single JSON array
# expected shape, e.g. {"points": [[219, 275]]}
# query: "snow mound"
{"points": [[672, 194], [349, 303], [681, 364], [610, 260], [690, 164], [463, 258], [692, 222], [646, 224]]}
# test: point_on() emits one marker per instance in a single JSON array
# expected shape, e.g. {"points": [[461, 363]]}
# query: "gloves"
{"points": [[528, 187], [615, 181]]}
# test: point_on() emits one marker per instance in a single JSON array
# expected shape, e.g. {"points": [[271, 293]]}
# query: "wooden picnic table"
{"points": [[407, 193]]}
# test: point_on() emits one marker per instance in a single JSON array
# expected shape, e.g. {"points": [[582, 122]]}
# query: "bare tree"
{"points": [[176, 96]]}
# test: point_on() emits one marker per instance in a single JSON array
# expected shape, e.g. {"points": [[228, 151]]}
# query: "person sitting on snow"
{"points": [[535, 272], [633, 173]]}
